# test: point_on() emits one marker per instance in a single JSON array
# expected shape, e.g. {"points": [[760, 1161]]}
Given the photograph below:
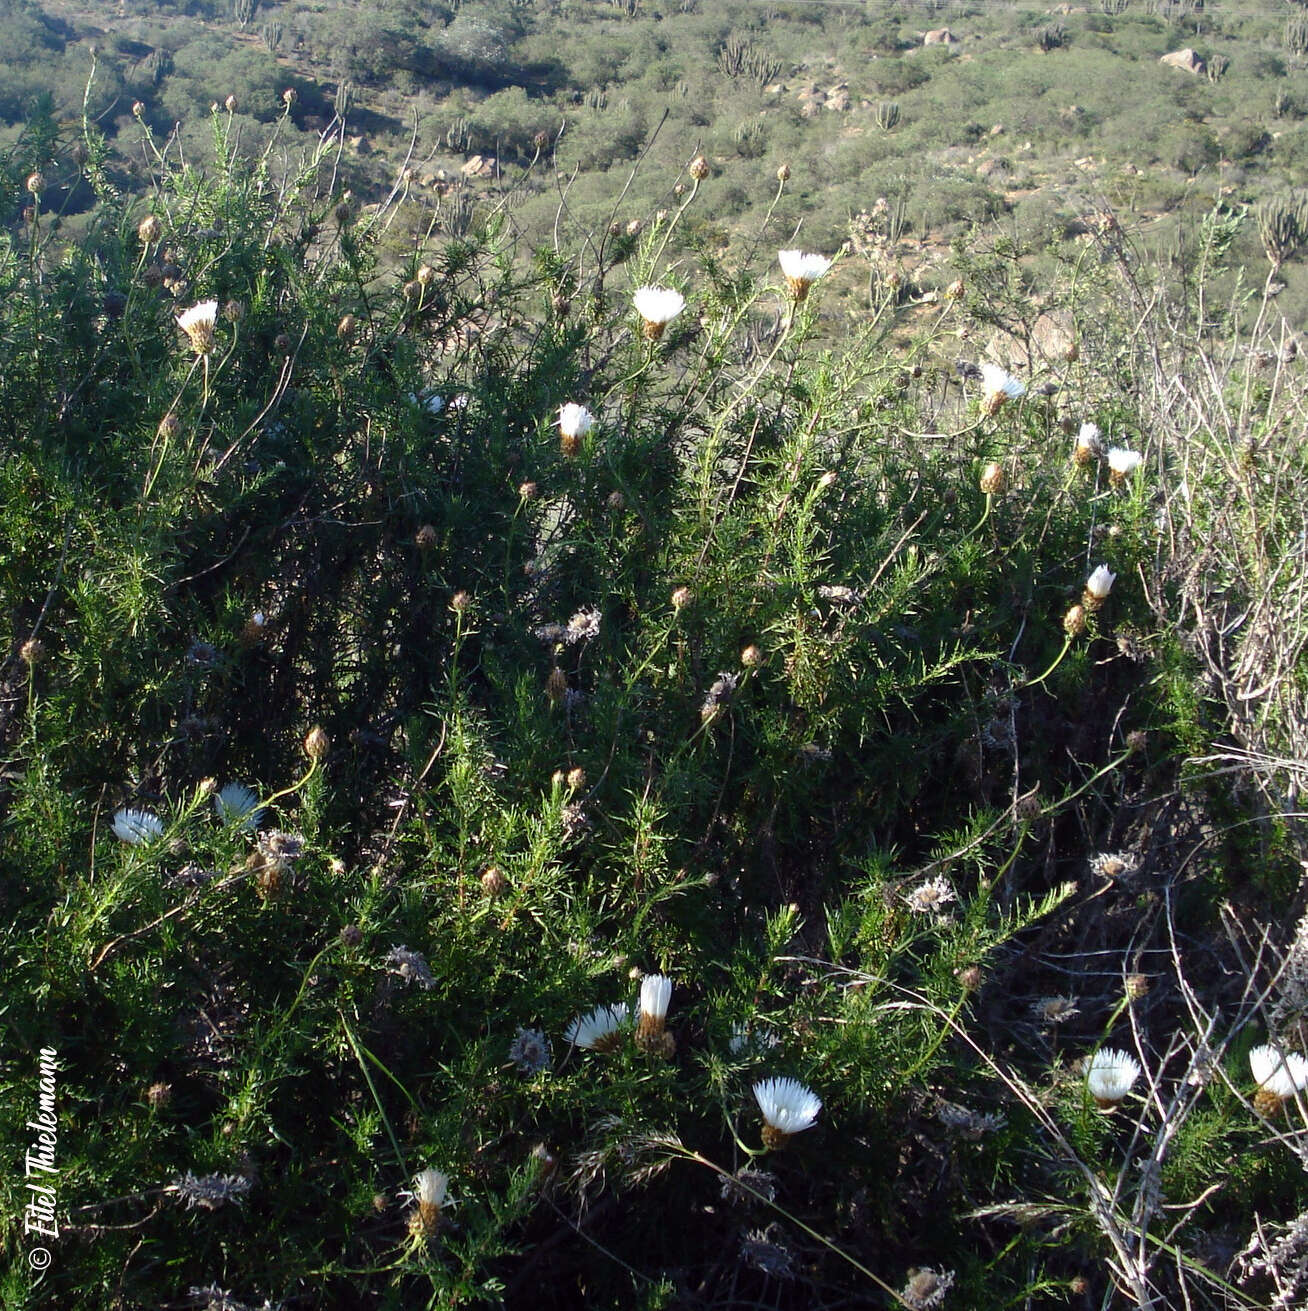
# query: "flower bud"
{"points": [[426, 275], [493, 881], [576, 779], [1074, 621], [751, 657], [149, 230], [345, 328], [425, 537], [460, 602], [316, 744], [230, 103], [699, 168], [35, 183], [682, 597], [993, 479], [32, 652], [783, 173]]}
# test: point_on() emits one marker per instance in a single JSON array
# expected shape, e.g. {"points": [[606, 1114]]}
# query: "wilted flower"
{"points": [[926, 1289], [1122, 463], [530, 1051], [657, 307], [584, 625], [1109, 1075], [411, 966], [760, 1250], [210, 1191], [788, 1108], [1279, 1075], [1089, 444], [930, 897], [968, 1123], [1055, 1010], [655, 994], [1114, 864], [430, 1190], [600, 1030], [138, 826], [999, 386], [197, 323], [748, 1185], [1097, 587], [238, 807], [720, 692], [801, 270]]}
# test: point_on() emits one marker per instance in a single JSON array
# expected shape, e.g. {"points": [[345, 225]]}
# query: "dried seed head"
{"points": [[560, 304], [528, 491], [343, 213], [682, 597], [783, 173], [970, 978], [633, 228], [751, 657], [351, 935], [425, 537], [149, 230], [576, 778], [556, 685], [158, 1095], [412, 289], [282, 344], [288, 97], [616, 502], [316, 744], [956, 289], [137, 109], [993, 478], [699, 168], [1074, 621], [32, 652], [35, 183], [460, 602], [1136, 986]]}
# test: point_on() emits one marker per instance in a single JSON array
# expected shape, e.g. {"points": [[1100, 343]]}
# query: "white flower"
{"points": [[430, 1187], [657, 306], [933, 895], [655, 993], [1089, 444], [138, 826], [575, 420], [1088, 435], [238, 806], [1000, 386], [600, 1030], [801, 270], [197, 323], [1123, 462], [584, 625], [1100, 583], [430, 402], [788, 1108], [1109, 1075], [1282, 1074]]}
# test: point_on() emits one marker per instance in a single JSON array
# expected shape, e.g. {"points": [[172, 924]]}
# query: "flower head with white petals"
{"points": [[1122, 463], [1000, 386], [137, 826], [1279, 1075], [575, 421], [651, 1027], [801, 270], [1109, 1075], [430, 1191], [198, 323], [657, 307], [238, 807], [1097, 587], [788, 1108], [600, 1029], [1089, 444]]}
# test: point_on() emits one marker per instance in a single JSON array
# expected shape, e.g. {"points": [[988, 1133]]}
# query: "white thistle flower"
{"points": [[801, 270], [600, 1030], [1122, 463], [198, 323], [1089, 444], [1000, 386], [788, 1108], [1097, 587], [1278, 1074], [430, 1191], [238, 807], [138, 826], [430, 401], [1109, 1075], [657, 307], [930, 897], [575, 420], [651, 1027]]}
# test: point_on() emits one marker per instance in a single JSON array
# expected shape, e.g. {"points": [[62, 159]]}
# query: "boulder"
{"points": [[939, 36], [1185, 59]]}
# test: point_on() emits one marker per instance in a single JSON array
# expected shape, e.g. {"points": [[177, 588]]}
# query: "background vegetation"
{"points": [[769, 684]]}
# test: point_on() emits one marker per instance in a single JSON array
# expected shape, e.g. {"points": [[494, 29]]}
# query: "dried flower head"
{"points": [[158, 1095], [149, 230], [32, 652], [493, 881], [998, 387], [583, 626], [926, 1289], [801, 270], [1279, 1076], [210, 1191], [1114, 864], [600, 1029], [137, 827], [1055, 1010], [682, 597], [530, 1051], [1109, 1075], [198, 323], [657, 307], [1074, 621], [411, 966], [316, 744], [967, 1123], [699, 168], [788, 1108]]}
